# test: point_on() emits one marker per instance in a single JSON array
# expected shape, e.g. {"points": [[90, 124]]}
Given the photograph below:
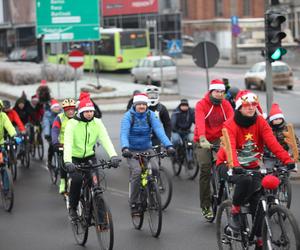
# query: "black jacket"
{"points": [[182, 121], [164, 117]]}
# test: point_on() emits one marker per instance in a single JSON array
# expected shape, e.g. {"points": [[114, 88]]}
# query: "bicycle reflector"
{"points": [[270, 182]]}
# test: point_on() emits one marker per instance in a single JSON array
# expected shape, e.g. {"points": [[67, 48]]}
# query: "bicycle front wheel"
{"points": [[13, 165], [103, 223], [285, 193], [165, 187], [7, 190], [280, 229], [225, 238], [40, 147], [53, 169], [154, 209]]}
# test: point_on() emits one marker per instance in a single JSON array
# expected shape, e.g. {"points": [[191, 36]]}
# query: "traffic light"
{"points": [[274, 35]]}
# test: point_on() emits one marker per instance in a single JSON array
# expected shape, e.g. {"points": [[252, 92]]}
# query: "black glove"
{"points": [[126, 153], [290, 166], [171, 151], [70, 167], [48, 138], [115, 160], [238, 170]]}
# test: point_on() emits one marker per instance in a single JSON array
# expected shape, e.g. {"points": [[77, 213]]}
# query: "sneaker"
{"points": [[207, 213], [73, 214], [62, 186]]}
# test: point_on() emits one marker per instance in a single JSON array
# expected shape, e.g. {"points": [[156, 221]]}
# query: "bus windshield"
{"points": [[133, 39]]}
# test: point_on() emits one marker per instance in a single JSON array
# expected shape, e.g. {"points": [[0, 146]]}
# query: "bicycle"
{"points": [[6, 182], [185, 156], [150, 200], [37, 143], [56, 164], [92, 208], [11, 149], [164, 181], [24, 152], [285, 189], [279, 226]]}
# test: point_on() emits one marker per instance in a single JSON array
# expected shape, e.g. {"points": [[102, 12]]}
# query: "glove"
{"points": [[115, 160], [171, 151], [70, 167], [291, 166], [238, 170], [18, 140], [48, 138], [126, 153], [204, 143]]}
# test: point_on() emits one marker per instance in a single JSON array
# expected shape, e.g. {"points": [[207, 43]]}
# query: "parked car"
{"points": [[148, 70], [282, 75], [29, 54]]}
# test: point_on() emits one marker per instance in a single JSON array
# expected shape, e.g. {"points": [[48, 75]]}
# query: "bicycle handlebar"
{"points": [[148, 155], [89, 166]]}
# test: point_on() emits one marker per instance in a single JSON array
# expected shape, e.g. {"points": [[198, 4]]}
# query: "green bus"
{"points": [[118, 49]]}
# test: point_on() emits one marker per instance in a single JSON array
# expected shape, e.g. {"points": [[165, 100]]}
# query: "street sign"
{"points": [[174, 47], [236, 30], [65, 20], [206, 54], [234, 20], [76, 59]]}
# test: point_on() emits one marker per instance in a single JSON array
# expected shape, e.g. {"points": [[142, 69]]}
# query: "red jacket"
{"points": [[209, 118], [15, 119], [248, 144]]}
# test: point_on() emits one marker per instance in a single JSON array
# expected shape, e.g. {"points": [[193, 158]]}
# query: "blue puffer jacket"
{"points": [[136, 135], [48, 119]]}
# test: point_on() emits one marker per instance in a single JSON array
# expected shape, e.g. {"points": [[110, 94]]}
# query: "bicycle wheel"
{"points": [[192, 169], [7, 194], [103, 223], [40, 147], [285, 193], [80, 227], [280, 229], [225, 238], [165, 187], [13, 166], [53, 169], [176, 166], [32, 150], [154, 209], [214, 199]]}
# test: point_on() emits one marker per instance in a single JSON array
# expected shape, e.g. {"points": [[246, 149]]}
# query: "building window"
{"points": [[219, 8], [184, 8], [168, 4], [247, 8]]}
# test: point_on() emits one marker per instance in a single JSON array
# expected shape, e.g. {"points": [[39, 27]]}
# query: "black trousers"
{"points": [[76, 181]]}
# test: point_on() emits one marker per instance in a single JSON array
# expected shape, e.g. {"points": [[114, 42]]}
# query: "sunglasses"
{"points": [[250, 104]]}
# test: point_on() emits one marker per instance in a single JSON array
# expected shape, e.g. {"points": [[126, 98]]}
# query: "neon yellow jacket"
{"points": [[80, 138], [6, 124]]}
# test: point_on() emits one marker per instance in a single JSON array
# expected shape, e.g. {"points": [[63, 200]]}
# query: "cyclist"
{"points": [[37, 110], [22, 107], [81, 134], [231, 94], [97, 112], [5, 125], [130, 102], [57, 134], [47, 122], [136, 130], [248, 133], [182, 120], [210, 114], [160, 110], [43, 93], [13, 116]]}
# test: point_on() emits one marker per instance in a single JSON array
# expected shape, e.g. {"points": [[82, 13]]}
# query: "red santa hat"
{"points": [[246, 96], [34, 98], [43, 82], [217, 84], [85, 104], [275, 112], [54, 104], [83, 95], [140, 98]]}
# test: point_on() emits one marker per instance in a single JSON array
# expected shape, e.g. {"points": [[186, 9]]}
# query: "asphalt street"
{"points": [[39, 217]]}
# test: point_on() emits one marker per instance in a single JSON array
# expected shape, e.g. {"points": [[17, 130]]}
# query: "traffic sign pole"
{"points": [[76, 60], [75, 83], [206, 64]]}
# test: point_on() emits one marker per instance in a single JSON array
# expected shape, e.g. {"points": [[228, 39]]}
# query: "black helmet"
{"points": [[232, 92], [6, 104]]}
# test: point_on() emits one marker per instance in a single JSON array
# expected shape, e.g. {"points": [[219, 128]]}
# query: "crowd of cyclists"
{"points": [[77, 126]]}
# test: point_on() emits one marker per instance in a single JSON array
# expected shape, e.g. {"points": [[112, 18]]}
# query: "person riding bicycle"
{"points": [[47, 122], [231, 94], [160, 111], [22, 107], [210, 114], [136, 130], [37, 110], [248, 132], [85, 94], [57, 134], [182, 120], [80, 137], [278, 124], [13, 116]]}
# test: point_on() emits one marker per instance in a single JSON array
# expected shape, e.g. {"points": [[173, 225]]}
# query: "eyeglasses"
{"points": [[250, 104], [221, 92]]}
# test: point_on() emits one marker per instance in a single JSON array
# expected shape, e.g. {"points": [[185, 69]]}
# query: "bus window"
{"points": [[106, 46], [133, 39]]}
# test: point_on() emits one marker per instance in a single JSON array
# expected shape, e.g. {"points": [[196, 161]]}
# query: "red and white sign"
{"points": [[76, 59], [128, 7]]}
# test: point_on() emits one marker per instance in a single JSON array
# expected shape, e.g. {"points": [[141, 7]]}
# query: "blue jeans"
{"points": [[179, 138]]}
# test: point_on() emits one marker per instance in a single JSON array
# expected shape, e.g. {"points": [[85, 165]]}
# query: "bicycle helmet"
{"points": [[153, 94], [68, 102], [6, 104]]}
